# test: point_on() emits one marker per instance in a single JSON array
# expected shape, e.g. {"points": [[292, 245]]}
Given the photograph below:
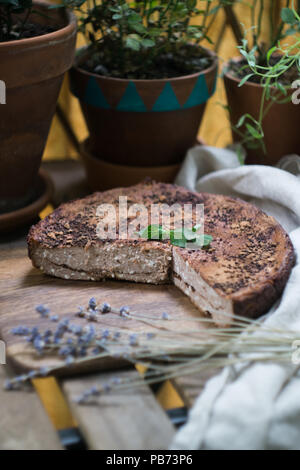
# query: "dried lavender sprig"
{"points": [[37, 339], [42, 310], [39, 344], [126, 312]]}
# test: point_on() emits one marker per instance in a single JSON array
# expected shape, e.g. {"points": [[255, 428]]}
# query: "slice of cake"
{"points": [[243, 271], [246, 267]]}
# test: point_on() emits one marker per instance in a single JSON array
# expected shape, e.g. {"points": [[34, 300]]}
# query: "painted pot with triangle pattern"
{"points": [[143, 123]]}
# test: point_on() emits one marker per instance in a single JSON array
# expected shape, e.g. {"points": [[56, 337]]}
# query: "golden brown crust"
{"points": [[74, 223], [248, 247], [248, 261]]}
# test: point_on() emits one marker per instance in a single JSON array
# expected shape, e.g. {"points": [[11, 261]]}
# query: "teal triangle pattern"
{"points": [[94, 95], [199, 94], [167, 100], [131, 100]]}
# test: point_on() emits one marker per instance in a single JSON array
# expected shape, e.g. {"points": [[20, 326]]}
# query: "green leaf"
{"points": [[244, 53], [253, 131], [177, 234], [138, 27], [245, 79], [188, 234], [133, 43], [147, 43], [135, 23], [281, 88], [201, 241], [153, 232], [178, 241], [155, 32], [270, 52], [241, 121], [207, 239], [178, 237], [287, 15]]}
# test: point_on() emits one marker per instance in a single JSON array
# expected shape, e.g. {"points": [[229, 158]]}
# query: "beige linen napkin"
{"points": [[254, 406]]}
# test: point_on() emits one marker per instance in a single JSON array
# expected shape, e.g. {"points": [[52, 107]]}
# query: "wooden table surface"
{"points": [[46, 416]]}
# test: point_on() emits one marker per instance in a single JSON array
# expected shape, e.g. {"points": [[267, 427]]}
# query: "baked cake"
{"points": [[243, 271]]}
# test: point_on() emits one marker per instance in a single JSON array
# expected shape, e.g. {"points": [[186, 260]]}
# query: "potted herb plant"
{"points": [[143, 81], [259, 86], [36, 48]]}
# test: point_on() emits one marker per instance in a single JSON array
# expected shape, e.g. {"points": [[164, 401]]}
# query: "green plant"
{"points": [[10, 9], [126, 37], [279, 29], [273, 65]]}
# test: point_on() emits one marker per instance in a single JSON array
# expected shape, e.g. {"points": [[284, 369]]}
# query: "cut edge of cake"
{"points": [[149, 263], [223, 308]]}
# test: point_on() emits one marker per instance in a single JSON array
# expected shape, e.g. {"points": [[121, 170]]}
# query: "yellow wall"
{"points": [[215, 127]]}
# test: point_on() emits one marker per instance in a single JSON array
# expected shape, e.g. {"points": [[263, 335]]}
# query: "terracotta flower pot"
{"points": [[280, 125], [32, 70], [143, 122], [102, 175]]}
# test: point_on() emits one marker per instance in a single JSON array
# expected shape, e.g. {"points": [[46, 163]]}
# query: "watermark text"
{"points": [[296, 94], [2, 92], [126, 222], [2, 353]]}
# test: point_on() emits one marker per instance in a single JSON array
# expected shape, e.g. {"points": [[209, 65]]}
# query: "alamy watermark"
{"points": [[296, 352], [2, 353], [296, 94], [124, 222], [2, 92]]}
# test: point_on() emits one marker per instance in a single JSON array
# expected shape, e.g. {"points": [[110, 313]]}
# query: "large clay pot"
{"points": [[280, 124], [32, 70], [143, 123], [103, 175]]}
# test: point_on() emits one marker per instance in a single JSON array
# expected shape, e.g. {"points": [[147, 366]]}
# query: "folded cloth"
{"points": [[254, 405]]}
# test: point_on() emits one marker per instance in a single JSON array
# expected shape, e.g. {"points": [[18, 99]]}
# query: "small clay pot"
{"points": [[32, 70], [43, 191], [280, 124], [102, 175], [143, 123]]}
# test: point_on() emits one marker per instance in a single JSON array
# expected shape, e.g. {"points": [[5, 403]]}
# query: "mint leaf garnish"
{"points": [[176, 240], [178, 237], [203, 240], [196, 227], [153, 232]]}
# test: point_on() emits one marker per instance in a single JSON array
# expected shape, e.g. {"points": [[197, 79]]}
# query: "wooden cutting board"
{"points": [[22, 287]]}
